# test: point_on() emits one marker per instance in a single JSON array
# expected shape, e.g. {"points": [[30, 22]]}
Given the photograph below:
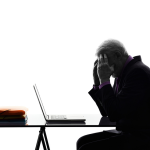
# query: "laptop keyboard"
{"points": [[58, 117]]}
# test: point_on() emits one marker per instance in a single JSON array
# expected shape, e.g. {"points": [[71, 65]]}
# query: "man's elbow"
{"points": [[112, 117]]}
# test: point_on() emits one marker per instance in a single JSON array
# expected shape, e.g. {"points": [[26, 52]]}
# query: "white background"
{"points": [[53, 44]]}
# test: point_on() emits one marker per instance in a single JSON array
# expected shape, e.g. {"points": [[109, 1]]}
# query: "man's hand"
{"points": [[95, 76], [104, 71]]}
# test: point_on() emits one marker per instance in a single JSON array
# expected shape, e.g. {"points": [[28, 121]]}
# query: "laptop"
{"points": [[57, 118]]}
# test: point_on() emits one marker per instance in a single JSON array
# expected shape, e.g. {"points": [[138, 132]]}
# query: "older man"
{"points": [[127, 103]]}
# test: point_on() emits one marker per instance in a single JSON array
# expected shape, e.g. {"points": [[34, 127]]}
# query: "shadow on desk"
{"points": [[106, 121], [66, 123]]}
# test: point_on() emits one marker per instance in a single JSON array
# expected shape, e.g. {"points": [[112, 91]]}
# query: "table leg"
{"points": [[41, 138], [43, 142], [46, 140]]}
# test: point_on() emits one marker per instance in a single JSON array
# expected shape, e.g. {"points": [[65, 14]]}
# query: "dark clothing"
{"points": [[110, 141], [129, 108]]}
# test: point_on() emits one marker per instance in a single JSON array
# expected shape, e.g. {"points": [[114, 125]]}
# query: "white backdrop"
{"points": [[53, 44]]}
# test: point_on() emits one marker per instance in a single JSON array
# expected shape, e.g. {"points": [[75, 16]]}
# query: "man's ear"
{"points": [[118, 55]]}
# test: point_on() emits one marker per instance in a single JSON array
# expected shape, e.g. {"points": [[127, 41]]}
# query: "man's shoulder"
{"points": [[137, 64], [139, 69]]}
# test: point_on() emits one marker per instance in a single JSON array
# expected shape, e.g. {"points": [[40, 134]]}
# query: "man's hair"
{"points": [[111, 46]]}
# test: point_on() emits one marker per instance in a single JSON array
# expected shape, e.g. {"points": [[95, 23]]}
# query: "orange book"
{"points": [[6, 117], [13, 110]]}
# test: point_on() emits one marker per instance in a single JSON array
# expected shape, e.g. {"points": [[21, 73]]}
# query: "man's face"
{"points": [[113, 61]]}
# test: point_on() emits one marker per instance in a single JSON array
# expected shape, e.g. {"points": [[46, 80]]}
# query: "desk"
{"points": [[37, 120]]}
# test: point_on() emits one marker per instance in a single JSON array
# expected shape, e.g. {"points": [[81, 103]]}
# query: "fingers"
{"points": [[102, 59], [95, 62], [99, 61], [105, 59]]}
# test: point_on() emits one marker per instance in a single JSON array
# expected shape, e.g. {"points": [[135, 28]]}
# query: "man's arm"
{"points": [[95, 89], [130, 99], [92, 93]]}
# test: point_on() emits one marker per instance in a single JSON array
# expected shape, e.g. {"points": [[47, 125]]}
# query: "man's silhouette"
{"points": [[127, 103]]}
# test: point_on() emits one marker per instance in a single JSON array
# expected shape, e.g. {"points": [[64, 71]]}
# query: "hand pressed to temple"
{"points": [[104, 71], [95, 76]]}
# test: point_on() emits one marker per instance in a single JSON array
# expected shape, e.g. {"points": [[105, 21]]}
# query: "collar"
{"points": [[126, 63]]}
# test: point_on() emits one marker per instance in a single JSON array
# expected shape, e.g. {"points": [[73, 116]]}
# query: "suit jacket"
{"points": [[130, 107]]}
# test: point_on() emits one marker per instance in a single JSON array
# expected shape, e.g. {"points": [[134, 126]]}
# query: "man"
{"points": [[127, 103]]}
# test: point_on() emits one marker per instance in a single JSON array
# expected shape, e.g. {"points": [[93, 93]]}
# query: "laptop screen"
{"points": [[40, 101]]}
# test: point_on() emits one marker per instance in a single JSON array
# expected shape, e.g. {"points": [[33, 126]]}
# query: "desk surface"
{"points": [[92, 120]]}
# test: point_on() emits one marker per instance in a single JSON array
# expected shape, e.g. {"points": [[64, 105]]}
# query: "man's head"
{"points": [[116, 54]]}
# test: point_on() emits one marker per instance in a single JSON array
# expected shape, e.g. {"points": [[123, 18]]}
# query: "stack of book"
{"points": [[12, 115]]}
